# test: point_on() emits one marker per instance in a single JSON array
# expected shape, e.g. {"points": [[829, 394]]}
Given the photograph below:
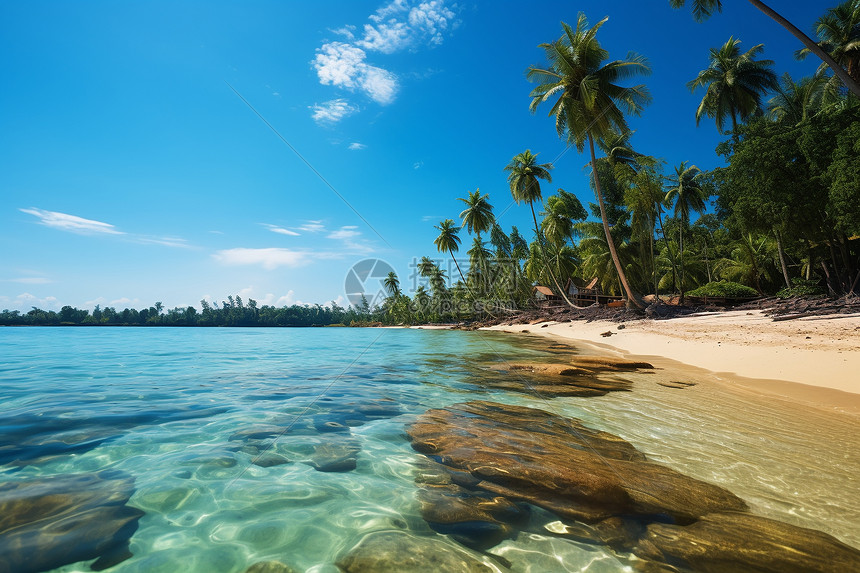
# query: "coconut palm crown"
{"points": [[478, 214], [588, 98], [734, 84]]}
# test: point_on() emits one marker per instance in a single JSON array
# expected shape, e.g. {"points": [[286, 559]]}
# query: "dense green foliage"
{"points": [[233, 312], [801, 287], [724, 288]]}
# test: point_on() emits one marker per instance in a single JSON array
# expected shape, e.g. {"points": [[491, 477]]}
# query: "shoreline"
{"points": [[814, 359]]}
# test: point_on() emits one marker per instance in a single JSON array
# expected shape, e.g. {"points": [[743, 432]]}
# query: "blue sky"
{"points": [[131, 173]]}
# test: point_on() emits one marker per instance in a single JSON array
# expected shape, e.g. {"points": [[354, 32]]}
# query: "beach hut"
{"points": [[544, 296], [583, 294]]}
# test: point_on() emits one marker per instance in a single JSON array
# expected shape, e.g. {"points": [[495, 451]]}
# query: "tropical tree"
{"points": [[687, 193], [794, 102], [589, 102], [478, 214], [703, 9], [448, 241], [838, 31], [558, 218], [734, 84], [392, 284], [524, 175]]}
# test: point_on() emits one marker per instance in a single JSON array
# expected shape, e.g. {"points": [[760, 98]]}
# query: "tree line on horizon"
{"points": [[782, 217], [232, 312]]}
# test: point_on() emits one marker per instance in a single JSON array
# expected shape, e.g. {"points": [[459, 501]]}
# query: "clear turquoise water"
{"points": [[163, 405]]}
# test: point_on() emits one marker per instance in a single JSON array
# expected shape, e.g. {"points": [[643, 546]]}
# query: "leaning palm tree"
{"points": [[703, 9], [478, 214], [839, 33], [735, 84], [589, 102], [688, 194], [524, 174], [448, 241]]}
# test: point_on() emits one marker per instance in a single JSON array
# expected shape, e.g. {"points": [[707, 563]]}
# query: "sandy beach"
{"points": [[818, 352]]}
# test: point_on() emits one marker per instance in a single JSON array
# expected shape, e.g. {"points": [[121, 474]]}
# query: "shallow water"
{"points": [[187, 411]]}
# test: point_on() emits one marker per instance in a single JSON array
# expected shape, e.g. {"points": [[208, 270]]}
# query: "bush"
{"points": [[801, 287], [724, 288]]}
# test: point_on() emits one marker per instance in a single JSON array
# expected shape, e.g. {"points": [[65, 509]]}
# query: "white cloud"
{"points": [[280, 230], [346, 32], [342, 65], [418, 165], [27, 300], [355, 146], [71, 223], [388, 37], [346, 232], [269, 258], [164, 241], [125, 300], [396, 26], [431, 19], [332, 111], [312, 227]]}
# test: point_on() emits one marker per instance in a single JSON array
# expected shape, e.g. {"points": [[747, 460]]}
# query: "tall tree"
{"points": [[589, 102], [734, 84], [688, 195], [702, 10], [478, 215], [524, 175], [448, 241]]}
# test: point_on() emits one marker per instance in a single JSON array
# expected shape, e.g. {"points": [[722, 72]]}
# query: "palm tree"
{"points": [[478, 214], [590, 103], [839, 33], [795, 102], [644, 198], [702, 10], [688, 195], [392, 284], [735, 84], [524, 174], [448, 241], [561, 211]]}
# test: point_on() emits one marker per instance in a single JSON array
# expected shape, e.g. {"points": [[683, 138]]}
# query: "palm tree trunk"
{"points": [[782, 264], [632, 297], [458, 267], [682, 259], [545, 261], [653, 261], [669, 250], [840, 72]]}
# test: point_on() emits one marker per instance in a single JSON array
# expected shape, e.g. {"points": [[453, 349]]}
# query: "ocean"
{"points": [[236, 446]]}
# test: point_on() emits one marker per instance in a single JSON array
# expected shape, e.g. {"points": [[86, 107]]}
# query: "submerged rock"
{"points": [[582, 376], [334, 457], [560, 465], [400, 552], [49, 522], [270, 567], [742, 542], [605, 491]]}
